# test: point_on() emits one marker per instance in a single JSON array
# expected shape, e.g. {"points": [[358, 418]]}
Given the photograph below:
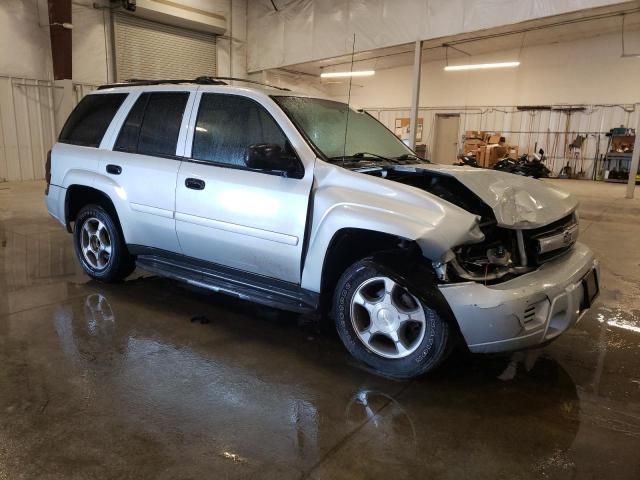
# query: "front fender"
{"points": [[435, 231]]}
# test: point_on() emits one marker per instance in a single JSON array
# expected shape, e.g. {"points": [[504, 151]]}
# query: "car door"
{"points": [[229, 214], [144, 163]]}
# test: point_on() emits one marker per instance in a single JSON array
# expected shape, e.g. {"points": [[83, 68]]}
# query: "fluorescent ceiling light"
{"points": [[450, 68], [356, 73]]}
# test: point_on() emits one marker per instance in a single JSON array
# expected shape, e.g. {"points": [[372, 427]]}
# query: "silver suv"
{"points": [[304, 204]]}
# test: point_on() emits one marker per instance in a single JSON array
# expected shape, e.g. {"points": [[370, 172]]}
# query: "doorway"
{"points": [[445, 139]]}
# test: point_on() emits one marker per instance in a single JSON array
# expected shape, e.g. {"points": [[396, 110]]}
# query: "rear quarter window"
{"points": [[90, 119]]}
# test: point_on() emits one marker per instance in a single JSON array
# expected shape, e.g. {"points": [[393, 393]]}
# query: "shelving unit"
{"points": [[618, 163]]}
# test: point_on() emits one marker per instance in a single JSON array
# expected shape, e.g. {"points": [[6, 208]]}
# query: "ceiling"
{"points": [[561, 28]]}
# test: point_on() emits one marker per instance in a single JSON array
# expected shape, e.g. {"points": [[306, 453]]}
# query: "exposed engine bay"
{"points": [[504, 253]]}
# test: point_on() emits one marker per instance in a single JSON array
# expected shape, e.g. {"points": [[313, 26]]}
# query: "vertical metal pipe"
{"points": [[25, 104], [39, 172], [15, 123], [52, 116], [415, 97], [521, 248], [635, 159], [114, 52]]}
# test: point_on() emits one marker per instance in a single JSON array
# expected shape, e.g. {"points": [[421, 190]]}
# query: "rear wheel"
{"points": [[100, 246], [383, 323]]}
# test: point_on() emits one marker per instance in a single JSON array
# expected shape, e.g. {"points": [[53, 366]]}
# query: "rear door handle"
{"points": [[194, 183], [114, 169]]}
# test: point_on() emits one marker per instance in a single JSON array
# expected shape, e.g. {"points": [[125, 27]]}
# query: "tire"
{"points": [[100, 246], [420, 343]]}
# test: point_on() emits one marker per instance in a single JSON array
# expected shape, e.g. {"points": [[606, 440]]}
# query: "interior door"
{"points": [[144, 164], [229, 214], [445, 145]]}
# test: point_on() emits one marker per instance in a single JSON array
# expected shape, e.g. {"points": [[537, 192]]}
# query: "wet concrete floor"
{"points": [[117, 381]]}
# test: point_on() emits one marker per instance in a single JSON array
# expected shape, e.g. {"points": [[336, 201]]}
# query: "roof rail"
{"points": [[235, 79], [134, 82]]}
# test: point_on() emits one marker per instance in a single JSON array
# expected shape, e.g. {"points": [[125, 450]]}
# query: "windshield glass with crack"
{"points": [[324, 122]]}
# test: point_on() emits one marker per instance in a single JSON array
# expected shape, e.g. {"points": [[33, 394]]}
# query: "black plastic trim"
{"points": [[219, 278], [278, 173]]}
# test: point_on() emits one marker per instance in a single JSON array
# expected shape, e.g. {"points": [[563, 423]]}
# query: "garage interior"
{"points": [[155, 379]]}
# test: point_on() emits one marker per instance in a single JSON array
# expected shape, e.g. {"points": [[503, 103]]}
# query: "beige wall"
{"points": [[583, 71], [25, 50]]}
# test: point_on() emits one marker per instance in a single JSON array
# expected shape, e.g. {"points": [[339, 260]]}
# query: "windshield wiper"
{"points": [[411, 156], [363, 156]]}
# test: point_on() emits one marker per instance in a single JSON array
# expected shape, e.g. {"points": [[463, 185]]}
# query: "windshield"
{"points": [[324, 121]]}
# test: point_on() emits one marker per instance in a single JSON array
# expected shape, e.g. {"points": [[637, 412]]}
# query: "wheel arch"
{"points": [[78, 196], [418, 274], [347, 246]]}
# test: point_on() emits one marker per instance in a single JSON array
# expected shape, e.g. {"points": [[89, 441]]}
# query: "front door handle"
{"points": [[114, 169], [194, 183]]}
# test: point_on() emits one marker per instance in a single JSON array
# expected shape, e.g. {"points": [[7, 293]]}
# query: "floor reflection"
{"points": [[256, 397]]}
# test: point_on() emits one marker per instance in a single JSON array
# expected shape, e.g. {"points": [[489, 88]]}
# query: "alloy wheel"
{"points": [[387, 319], [95, 242]]}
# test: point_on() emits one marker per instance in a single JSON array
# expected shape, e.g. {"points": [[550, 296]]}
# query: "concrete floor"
{"points": [[117, 382]]}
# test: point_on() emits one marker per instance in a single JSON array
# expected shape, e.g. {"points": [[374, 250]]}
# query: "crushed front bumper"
{"points": [[529, 310]]}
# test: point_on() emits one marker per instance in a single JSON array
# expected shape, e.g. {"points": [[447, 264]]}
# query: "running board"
{"points": [[247, 286]]}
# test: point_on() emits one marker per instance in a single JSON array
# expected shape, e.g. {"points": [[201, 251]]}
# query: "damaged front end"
{"points": [[525, 279], [506, 251]]}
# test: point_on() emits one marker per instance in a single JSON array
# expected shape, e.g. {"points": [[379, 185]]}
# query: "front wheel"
{"points": [[384, 324], [100, 246]]}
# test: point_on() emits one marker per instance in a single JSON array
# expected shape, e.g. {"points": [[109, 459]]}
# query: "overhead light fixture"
{"points": [[481, 66], [356, 73]]}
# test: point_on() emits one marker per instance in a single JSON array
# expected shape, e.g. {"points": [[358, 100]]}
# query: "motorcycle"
{"points": [[523, 166], [467, 160]]}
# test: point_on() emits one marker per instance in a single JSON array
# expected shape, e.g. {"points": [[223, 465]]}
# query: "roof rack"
{"points": [[134, 82], [235, 79]]}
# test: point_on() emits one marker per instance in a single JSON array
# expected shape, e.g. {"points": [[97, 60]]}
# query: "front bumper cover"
{"points": [[526, 311]]}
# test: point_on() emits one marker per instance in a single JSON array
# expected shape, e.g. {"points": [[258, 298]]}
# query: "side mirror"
{"points": [[270, 157]]}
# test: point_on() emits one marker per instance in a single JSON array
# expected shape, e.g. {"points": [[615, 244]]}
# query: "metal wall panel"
{"points": [[27, 125], [150, 50], [551, 130]]}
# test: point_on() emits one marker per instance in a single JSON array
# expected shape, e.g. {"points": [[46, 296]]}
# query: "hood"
{"points": [[517, 201]]}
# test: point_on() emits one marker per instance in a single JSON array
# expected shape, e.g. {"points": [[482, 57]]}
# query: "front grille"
{"points": [[548, 242]]}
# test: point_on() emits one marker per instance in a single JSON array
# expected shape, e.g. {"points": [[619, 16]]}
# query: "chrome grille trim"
{"points": [[562, 239]]}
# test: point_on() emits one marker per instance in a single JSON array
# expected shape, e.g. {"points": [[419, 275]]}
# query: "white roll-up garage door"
{"points": [[152, 51]]}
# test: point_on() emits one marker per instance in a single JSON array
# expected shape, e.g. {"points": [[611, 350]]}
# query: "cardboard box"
{"points": [[489, 155], [472, 145], [494, 153], [512, 151], [474, 134], [480, 156], [497, 139]]}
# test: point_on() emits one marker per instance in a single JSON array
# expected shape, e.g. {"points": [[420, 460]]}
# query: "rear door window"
{"points": [[153, 124], [90, 119]]}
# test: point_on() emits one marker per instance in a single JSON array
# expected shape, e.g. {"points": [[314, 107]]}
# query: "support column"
{"points": [[415, 98], [59, 13], [633, 169]]}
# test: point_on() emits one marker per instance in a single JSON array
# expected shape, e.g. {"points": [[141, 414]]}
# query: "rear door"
{"points": [[227, 213], [144, 162]]}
